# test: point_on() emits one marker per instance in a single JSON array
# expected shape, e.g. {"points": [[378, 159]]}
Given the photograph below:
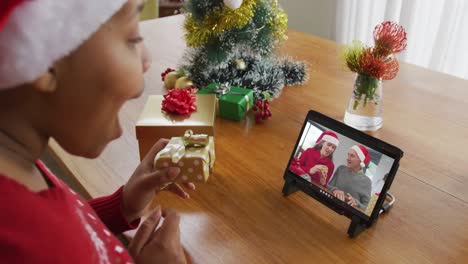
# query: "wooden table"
{"points": [[240, 216]]}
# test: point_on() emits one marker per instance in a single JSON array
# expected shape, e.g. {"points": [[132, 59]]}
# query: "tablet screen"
{"points": [[347, 170]]}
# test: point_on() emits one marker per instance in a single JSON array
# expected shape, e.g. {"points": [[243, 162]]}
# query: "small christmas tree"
{"points": [[233, 41]]}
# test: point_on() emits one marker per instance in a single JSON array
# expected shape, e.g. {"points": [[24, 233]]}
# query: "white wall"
{"points": [[310, 16]]}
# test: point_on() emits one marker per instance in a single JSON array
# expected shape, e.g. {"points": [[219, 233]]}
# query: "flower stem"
{"points": [[364, 85]]}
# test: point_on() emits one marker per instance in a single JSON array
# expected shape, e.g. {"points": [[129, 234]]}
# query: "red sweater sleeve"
{"points": [[109, 209], [304, 157]]}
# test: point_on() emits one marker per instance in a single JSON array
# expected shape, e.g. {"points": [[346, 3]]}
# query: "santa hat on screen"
{"points": [[36, 33], [328, 136], [363, 154]]}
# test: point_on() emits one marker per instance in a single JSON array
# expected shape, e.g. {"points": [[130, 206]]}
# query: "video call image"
{"points": [[348, 170]]}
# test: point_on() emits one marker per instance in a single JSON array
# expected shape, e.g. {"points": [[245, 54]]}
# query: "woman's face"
{"points": [[353, 161], [327, 149], [94, 82]]}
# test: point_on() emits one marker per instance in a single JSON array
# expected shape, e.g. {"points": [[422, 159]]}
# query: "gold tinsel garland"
{"points": [[279, 21], [199, 33]]}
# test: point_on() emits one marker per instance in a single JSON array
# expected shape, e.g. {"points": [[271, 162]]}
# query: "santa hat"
{"points": [[36, 33], [363, 154], [328, 136]]}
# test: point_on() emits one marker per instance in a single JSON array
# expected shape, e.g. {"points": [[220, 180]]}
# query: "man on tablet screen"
{"points": [[349, 183]]}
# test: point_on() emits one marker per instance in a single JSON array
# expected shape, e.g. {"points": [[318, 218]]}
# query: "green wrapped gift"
{"points": [[233, 102]]}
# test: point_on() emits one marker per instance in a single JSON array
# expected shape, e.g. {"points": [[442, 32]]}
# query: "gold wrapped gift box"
{"points": [[193, 154], [154, 123]]}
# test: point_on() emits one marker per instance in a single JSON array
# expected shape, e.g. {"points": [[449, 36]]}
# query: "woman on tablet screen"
{"points": [[317, 162]]}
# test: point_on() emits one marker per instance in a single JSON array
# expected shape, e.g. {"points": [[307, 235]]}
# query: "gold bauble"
{"points": [[240, 64], [183, 82], [170, 80]]}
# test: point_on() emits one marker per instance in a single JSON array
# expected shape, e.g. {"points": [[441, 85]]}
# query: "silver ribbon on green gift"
{"points": [[222, 89], [225, 88], [176, 147]]}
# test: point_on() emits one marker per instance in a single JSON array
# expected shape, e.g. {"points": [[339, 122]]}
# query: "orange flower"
{"points": [[374, 65], [390, 38], [371, 64], [391, 68]]}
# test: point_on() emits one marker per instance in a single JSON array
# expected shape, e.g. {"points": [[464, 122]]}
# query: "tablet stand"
{"points": [[289, 187], [355, 228]]}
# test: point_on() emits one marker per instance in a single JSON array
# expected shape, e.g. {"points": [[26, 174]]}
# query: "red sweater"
{"points": [[311, 157], [58, 226]]}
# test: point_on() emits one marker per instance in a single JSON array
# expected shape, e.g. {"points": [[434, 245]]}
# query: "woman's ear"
{"points": [[47, 82]]}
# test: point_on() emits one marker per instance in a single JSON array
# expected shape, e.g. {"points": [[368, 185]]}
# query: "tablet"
{"points": [[343, 168]]}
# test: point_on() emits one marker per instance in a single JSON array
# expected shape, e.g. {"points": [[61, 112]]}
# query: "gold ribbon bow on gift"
{"points": [[195, 140], [225, 88], [176, 147]]}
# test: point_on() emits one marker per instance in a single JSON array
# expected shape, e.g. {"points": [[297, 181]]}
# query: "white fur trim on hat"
{"points": [[40, 32], [361, 155], [331, 139]]}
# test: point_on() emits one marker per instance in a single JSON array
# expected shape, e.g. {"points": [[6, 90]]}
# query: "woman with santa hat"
{"points": [[66, 69], [316, 163], [349, 183]]}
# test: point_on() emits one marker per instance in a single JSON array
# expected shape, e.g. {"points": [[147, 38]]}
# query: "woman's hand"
{"points": [[323, 176], [146, 182], [323, 179], [315, 169], [161, 245]]}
